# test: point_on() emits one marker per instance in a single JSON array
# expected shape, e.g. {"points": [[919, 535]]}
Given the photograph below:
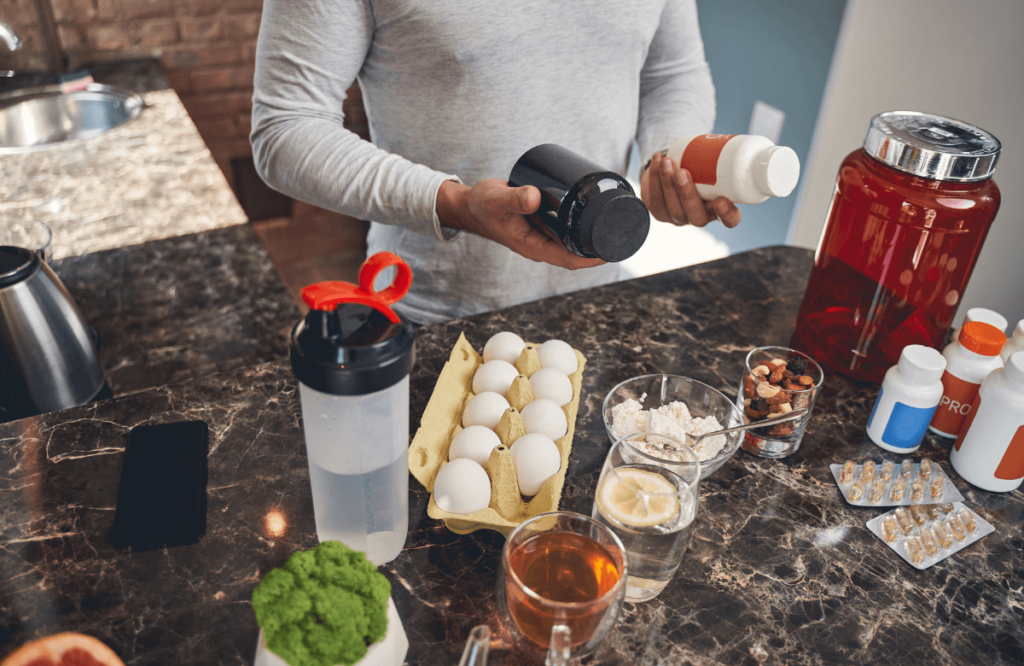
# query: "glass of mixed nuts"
{"points": [[777, 380]]}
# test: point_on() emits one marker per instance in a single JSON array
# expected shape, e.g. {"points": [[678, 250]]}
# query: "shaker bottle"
{"points": [[909, 215], [352, 355], [593, 212]]}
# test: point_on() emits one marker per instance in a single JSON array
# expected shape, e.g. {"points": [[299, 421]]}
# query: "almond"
{"points": [[748, 386], [777, 374], [779, 398]]}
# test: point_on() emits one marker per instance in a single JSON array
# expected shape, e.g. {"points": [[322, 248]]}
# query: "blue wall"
{"points": [[778, 52]]}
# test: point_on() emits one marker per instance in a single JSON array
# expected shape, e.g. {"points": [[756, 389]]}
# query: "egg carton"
{"points": [[442, 420], [949, 494], [982, 529]]}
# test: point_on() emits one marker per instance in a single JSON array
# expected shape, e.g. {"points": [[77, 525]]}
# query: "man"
{"points": [[456, 91]]}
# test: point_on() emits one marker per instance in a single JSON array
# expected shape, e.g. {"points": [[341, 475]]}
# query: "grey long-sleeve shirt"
{"points": [[460, 89]]}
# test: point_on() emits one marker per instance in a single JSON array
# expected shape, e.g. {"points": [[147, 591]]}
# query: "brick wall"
{"points": [[207, 48]]}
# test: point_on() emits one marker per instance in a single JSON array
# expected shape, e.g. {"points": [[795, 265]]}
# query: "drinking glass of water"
{"points": [[651, 505]]}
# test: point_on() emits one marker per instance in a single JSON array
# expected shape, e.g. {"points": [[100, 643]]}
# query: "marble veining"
{"points": [[780, 569], [148, 179]]}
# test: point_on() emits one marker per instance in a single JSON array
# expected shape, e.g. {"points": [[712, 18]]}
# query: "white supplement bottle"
{"points": [[990, 451], [907, 400], [1014, 344], [744, 168], [985, 315], [968, 362]]}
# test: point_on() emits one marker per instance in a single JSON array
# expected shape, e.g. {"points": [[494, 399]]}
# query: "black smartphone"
{"points": [[161, 500]]}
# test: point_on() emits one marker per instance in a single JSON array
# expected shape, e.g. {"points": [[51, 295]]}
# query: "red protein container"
{"points": [[908, 218]]}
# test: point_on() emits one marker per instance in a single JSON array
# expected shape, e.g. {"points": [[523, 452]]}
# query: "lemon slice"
{"points": [[637, 498]]}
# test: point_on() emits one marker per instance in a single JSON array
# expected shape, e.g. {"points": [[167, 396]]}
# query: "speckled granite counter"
{"points": [[149, 179], [780, 569]]}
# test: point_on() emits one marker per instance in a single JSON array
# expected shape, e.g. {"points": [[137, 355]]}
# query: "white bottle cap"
{"points": [[921, 365], [1014, 369], [987, 316], [1018, 332], [776, 171]]}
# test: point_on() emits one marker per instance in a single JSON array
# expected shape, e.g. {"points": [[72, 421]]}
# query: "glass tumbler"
{"points": [[28, 234], [560, 584], [648, 495], [766, 391]]}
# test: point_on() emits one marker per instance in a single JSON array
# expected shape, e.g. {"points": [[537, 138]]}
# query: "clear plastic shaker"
{"points": [[352, 355]]}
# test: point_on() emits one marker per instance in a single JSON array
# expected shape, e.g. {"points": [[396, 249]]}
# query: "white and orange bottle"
{"points": [[990, 451], [1015, 343], [744, 168], [968, 361]]}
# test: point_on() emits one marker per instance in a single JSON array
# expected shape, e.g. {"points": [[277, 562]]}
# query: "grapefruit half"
{"points": [[67, 649]]}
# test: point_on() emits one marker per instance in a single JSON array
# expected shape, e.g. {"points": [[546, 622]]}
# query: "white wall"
{"points": [[959, 59]]}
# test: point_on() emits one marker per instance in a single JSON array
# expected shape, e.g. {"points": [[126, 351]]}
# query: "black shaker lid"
{"points": [[351, 350], [352, 342], [614, 225], [16, 264]]}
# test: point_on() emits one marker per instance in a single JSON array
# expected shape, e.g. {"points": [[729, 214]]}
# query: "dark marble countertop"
{"points": [[780, 569]]}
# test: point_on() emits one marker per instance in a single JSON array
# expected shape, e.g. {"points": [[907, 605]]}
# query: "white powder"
{"points": [[672, 420]]}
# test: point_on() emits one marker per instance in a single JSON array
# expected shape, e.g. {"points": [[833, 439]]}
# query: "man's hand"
{"points": [[671, 196], [495, 211]]}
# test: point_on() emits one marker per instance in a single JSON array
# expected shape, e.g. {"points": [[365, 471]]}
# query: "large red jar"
{"points": [[909, 215]]}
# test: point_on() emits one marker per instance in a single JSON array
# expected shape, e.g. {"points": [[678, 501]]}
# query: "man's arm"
{"points": [[677, 97]]}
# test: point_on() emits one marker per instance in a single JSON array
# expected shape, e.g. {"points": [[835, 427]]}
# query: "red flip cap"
{"points": [[328, 295]]}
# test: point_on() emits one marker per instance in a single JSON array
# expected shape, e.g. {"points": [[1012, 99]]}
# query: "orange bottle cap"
{"points": [[982, 338]]}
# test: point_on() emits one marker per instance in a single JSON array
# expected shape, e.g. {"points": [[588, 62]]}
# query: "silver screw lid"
{"points": [[932, 146]]}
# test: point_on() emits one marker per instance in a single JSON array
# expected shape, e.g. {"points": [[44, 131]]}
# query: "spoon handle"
{"points": [[795, 414]]}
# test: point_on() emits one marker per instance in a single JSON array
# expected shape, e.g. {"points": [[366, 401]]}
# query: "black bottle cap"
{"points": [[351, 350], [614, 225], [17, 264]]}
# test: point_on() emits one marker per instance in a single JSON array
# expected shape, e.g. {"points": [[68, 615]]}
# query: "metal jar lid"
{"points": [[932, 146]]}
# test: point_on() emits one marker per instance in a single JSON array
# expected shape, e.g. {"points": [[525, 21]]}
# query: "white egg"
{"points": [[484, 409], [536, 460], [474, 443], [504, 346], [553, 385], [558, 355], [494, 376], [462, 486], [545, 417]]}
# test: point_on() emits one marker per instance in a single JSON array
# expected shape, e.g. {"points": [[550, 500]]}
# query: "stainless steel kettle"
{"points": [[48, 358]]}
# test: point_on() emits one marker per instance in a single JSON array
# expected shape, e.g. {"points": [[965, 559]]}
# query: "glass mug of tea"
{"points": [[561, 584]]}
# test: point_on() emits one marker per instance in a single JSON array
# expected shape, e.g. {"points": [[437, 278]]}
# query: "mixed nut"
{"points": [[777, 387]]}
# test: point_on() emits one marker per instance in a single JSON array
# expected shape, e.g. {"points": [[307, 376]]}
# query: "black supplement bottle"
{"points": [[591, 210]]}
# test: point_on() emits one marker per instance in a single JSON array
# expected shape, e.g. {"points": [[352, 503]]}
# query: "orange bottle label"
{"points": [[1011, 467], [957, 398], [701, 157]]}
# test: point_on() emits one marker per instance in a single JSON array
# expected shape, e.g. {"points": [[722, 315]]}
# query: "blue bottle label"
{"points": [[907, 425]]}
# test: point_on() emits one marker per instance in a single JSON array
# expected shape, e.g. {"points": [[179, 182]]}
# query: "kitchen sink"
{"points": [[36, 118]]}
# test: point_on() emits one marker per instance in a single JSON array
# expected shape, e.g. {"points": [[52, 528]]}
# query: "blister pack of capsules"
{"points": [[892, 484], [926, 534]]}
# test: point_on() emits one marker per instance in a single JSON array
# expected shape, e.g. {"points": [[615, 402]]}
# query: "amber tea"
{"points": [[571, 570]]}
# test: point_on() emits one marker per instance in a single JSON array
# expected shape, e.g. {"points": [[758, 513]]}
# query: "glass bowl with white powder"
{"points": [[674, 406]]}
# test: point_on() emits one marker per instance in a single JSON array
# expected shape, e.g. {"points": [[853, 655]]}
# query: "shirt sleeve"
{"points": [[309, 53], [677, 96]]}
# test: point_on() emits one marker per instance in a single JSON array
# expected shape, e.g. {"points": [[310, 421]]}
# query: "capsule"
{"points": [[928, 541], [956, 527], [914, 550], [906, 469], [933, 511], [942, 535], [890, 529], [885, 472], [938, 487], [867, 473], [903, 520], [925, 470], [877, 491], [846, 475], [919, 514], [968, 519], [857, 490], [946, 508], [896, 494], [916, 490]]}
